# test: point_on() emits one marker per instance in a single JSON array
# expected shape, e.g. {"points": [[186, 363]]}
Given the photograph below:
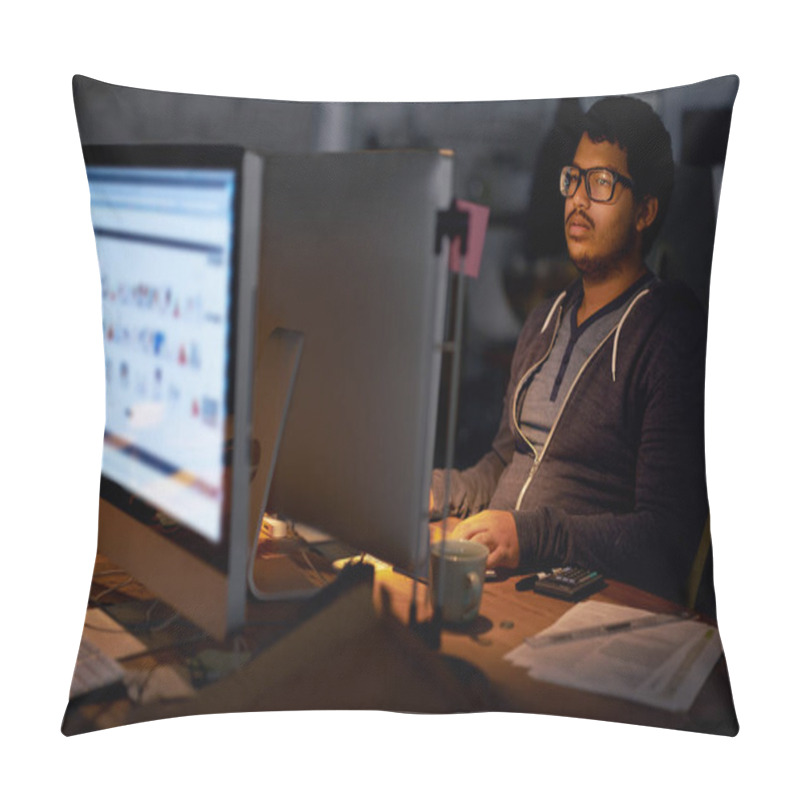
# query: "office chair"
{"points": [[698, 566]]}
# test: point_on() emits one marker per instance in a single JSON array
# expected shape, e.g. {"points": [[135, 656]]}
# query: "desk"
{"points": [[357, 652], [508, 616]]}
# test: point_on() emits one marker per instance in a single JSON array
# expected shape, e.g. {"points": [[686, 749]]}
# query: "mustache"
{"points": [[583, 215]]}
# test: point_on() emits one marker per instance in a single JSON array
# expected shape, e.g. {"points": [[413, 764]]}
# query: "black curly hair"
{"points": [[637, 129]]}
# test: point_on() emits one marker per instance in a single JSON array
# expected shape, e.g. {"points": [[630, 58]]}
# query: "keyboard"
{"points": [[93, 670]]}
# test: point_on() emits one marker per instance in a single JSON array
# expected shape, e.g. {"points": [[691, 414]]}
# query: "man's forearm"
{"points": [[470, 490]]}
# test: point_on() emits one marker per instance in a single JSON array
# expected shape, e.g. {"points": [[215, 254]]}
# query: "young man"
{"points": [[599, 459]]}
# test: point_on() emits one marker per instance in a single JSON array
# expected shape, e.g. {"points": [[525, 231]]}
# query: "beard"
{"points": [[597, 269]]}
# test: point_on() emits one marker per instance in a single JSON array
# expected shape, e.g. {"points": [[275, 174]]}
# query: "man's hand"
{"points": [[498, 531]]}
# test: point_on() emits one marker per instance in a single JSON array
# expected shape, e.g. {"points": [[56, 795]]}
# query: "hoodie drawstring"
{"points": [[553, 310]]}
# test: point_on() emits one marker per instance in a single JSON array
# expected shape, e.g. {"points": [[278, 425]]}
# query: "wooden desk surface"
{"points": [[376, 644], [508, 616]]}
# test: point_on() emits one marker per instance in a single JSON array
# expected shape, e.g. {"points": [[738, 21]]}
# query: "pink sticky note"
{"points": [[476, 236]]}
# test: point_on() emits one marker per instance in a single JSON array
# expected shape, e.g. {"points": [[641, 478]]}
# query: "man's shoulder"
{"points": [[672, 321], [675, 292], [666, 304], [673, 302]]}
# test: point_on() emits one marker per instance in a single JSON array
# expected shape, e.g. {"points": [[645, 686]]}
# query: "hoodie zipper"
{"points": [[539, 456], [520, 384]]}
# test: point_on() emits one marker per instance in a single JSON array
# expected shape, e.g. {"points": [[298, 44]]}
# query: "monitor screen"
{"points": [[177, 236], [165, 242]]}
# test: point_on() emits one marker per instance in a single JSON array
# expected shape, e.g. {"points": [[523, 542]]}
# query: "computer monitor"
{"points": [[177, 234], [348, 260]]}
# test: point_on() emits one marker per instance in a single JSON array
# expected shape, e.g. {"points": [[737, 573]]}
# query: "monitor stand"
{"points": [[278, 569]]}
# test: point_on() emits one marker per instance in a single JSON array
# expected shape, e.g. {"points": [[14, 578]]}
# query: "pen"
{"points": [[649, 621]]}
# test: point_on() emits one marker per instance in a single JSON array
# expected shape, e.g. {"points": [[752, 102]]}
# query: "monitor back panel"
{"points": [[348, 259]]}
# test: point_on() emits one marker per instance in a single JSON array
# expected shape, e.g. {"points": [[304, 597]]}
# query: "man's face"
{"points": [[601, 237]]}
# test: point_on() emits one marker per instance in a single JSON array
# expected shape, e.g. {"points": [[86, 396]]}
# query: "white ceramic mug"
{"points": [[457, 572]]}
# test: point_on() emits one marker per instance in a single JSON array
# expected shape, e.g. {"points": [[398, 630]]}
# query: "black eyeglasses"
{"points": [[600, 182]]}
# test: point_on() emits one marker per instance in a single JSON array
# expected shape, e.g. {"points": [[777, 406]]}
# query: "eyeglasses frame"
{"points": [[582, 176]]}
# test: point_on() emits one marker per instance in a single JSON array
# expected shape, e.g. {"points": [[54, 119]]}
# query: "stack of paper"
{"points": [[655, 659], [158, 683]]}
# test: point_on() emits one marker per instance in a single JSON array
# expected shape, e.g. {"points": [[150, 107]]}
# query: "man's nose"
{"points": [[581, 196]]}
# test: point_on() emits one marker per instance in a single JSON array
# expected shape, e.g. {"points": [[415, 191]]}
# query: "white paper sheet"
{"points": [[663, 666], [160, 683]]}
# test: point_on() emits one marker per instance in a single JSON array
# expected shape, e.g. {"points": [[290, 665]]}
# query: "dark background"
{"points": [[508, 155]]}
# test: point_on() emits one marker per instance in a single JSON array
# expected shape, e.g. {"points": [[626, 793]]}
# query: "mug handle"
{"points": [[474, 589]]}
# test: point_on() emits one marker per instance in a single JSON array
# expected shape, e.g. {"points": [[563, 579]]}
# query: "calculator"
{"points": [[570, 583]]}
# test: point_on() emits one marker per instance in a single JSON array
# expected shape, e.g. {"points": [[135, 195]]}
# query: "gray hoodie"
{"points": [[620, 483]]}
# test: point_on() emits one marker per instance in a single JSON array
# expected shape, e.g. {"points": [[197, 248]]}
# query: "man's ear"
{"points": [[646, 213]]}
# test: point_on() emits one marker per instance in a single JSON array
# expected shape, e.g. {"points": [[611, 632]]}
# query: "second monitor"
{"points": [[348, 261]]}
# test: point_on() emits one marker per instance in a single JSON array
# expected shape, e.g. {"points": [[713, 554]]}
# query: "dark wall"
{"points": [[507, 157]]}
